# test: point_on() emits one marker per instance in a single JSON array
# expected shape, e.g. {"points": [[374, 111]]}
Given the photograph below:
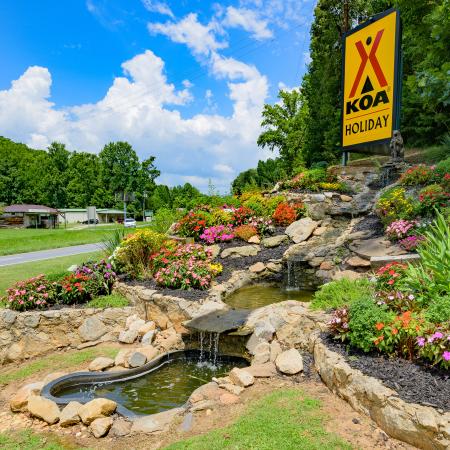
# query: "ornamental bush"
{"points": [[34, 293], [438, 310], [193, 224], [241, 216], [364, 315], [101, 274], [400, 229], [394, 205], [284, 215], [434, 345], [420, 174], [132, 256], [341, 292], [76, 288], [433, 197], [245, 232]]}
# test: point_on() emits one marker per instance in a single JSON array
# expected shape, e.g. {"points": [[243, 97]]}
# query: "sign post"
{"points": [[371, 84]]}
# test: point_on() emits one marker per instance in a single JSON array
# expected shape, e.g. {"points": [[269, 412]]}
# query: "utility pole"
{"points": [[345, 28]]}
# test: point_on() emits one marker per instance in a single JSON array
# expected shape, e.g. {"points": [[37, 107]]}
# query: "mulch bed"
{"points": [[414, 383]]}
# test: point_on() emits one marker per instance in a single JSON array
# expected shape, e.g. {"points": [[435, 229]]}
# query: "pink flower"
{"points": [[446, 356]]}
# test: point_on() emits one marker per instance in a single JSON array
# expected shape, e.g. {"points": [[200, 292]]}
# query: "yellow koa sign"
{"points": [[371, 82]]}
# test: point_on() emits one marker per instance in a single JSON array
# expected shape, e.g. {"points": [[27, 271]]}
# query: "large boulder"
{"points": [[101, 363], [155, 422], [128, 337], [70, 414], [301, 230], [92, 329], [19, 401], [96, 409], [136, 359], [241, 377], [100, 427], [274, 241], [289, 362], [43, 408], [238, 252]]}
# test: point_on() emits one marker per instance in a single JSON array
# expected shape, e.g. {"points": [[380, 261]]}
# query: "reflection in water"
{"points": [[166, 388], [256, 296]]}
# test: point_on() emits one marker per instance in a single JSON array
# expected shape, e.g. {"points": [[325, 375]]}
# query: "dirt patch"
{"points": [[415, 383]]}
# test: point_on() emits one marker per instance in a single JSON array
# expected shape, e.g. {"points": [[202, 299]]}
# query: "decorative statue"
{"points": [[396, 146]]}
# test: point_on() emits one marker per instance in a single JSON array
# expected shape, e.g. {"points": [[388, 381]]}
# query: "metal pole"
{"points": [[345, 28]]}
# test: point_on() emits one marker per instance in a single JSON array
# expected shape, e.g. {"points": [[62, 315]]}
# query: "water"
{"points": [[256, 296], [167, 387]]}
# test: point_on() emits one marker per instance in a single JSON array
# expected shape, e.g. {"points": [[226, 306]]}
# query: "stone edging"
{"points": [[35, 333]]}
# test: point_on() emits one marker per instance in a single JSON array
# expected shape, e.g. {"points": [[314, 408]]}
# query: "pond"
{"points": [[166, 386], [257, 296]]}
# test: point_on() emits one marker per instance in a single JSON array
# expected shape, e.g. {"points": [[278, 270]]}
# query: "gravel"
{"points": [[414, 383]]}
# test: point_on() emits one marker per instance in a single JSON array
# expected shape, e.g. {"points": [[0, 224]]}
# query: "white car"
{"points": [[129, 223]]}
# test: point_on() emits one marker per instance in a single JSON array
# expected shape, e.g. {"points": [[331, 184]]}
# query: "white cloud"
{"points": [[158, 7], [201, 39], [307, 58], [135, 109], [249, 20]]}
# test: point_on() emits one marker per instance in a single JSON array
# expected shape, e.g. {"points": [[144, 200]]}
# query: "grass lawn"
{"points": [[28, 240], [11, 274], [57, 362], [285, 419], [26, 440], [22, 240]]}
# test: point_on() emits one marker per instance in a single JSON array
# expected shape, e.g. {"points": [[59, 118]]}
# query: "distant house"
{"points": [[80, 215], [29, 216]]}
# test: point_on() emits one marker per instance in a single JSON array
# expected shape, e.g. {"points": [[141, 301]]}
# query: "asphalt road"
{"points": [[21, 258]]}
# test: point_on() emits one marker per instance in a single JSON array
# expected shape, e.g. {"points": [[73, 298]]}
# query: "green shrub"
{"points": [[442, 167], [438, 310], [431, 277], [335, 294], [133, 254], [163, 220], [364, 315]]}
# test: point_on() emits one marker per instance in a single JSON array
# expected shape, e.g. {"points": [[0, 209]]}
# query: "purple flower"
{"points": [[421, 341], [437, 335], [446, 356]]}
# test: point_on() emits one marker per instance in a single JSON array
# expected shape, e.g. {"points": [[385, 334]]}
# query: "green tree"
{"points": [[284, 126]]}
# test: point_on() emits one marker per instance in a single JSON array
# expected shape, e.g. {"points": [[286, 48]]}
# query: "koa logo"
{"points": [[366, 102]]}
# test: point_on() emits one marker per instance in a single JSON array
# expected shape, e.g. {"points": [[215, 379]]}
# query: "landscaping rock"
{"points": [[326, 265], [155, 422], [319, 231], [265, 370], [214, 249], [262, 353], [96, 409], [122, 357], [100, 427], [70, 414], [235, 390], [264, 330], [350, 274], [136, 359], [257, 267], [136, 325], [275, 350], [128, 337], [273, 267], [120, 427], [146, 328], [356, 261], [101, 363], [43, 408], [289, 362], [130, 320], [345, 198], [238, 252], [148, 337], [274, 241], [19, 401], [241, 377], [92, 329], [301, 230], [254, 240], [149, 351]]}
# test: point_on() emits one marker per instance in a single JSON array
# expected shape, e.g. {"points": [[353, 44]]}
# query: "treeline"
{"points": [[62, 179], [304, 126]]}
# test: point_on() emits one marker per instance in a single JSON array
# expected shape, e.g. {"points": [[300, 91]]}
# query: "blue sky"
{"points": [[182, 80]]}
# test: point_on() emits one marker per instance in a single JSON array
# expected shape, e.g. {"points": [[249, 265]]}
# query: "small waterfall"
{"points": [[299, 275], [209, 340], [201, 338]]}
